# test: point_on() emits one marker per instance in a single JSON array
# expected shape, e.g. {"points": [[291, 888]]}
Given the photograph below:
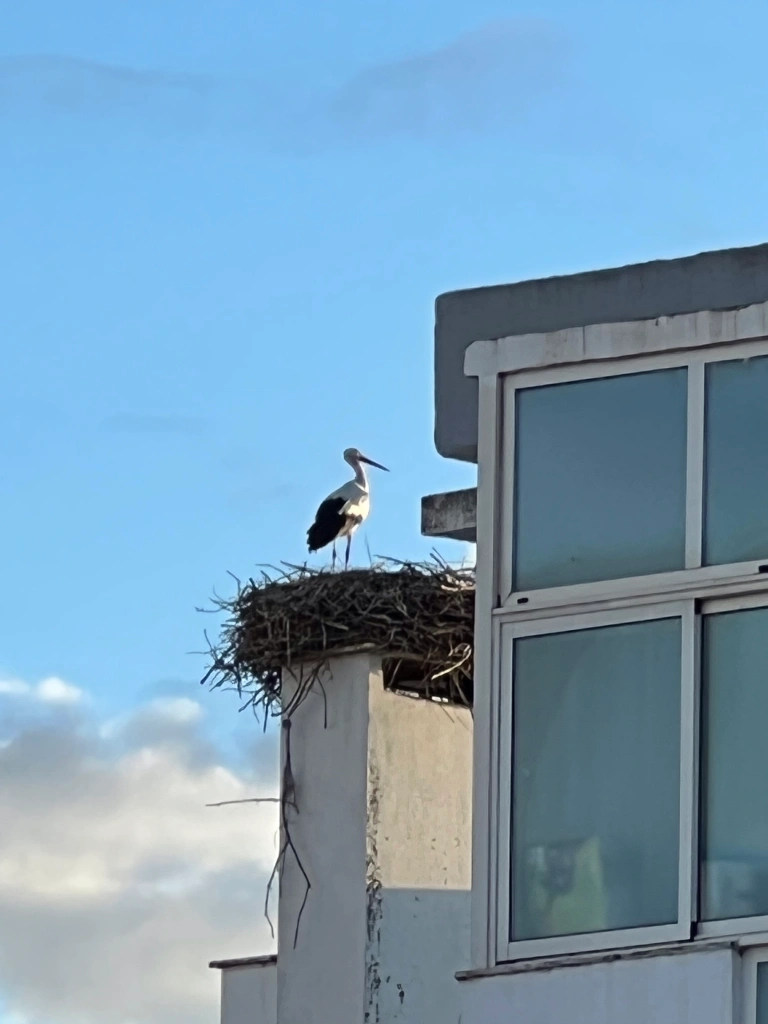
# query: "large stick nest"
{"points": [[418, 616]]}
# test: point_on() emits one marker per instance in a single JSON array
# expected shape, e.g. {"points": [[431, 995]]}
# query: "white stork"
{"points": [[343, 511]]}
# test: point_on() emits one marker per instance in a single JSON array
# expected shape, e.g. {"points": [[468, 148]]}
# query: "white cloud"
{"points": [[178, 709], [153, 719], [50, 690], [55, 691], [14, 687], [114, 874]]}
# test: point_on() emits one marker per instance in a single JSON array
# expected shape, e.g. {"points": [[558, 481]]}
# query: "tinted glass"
{"points": [[762, 994], [735, 780], [600, 479], [736, 491], [595, 818]]}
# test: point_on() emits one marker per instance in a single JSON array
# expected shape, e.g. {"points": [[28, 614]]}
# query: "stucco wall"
{"points": [[384, 832], [690, 988], [321, 979], [419, 849], [249, 995], [422, 940]]}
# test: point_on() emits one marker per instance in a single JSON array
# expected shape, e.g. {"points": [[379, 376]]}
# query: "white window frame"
{"points": [[750, 960], [756, 923], [503, 366], [510, 632], [694, 573]]}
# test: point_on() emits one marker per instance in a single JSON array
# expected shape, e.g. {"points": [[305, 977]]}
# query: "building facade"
{"points": [[614, 765], [619, 421]]}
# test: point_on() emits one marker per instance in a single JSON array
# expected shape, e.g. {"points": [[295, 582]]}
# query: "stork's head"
{"points": [[354, 457]]}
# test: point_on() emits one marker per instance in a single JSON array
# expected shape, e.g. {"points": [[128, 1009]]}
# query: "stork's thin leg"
{"points": [[333, 557], [346, 557]]}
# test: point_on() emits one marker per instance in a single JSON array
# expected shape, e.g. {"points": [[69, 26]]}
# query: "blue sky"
{"points": [[222, 230]]}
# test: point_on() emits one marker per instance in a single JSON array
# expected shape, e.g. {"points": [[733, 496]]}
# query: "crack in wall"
{"points": [[373, 900]]}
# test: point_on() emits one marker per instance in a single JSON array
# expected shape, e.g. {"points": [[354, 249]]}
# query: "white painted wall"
{"points": [[384, 831], [689, 988], [420, 790], [249, 995], [419, 847], [322, 978], [422, 939]]}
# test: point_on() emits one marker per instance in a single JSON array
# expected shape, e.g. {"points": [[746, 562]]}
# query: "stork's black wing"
{"points": [[328, 523]]}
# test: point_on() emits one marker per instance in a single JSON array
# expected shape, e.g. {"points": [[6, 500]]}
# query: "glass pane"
{"points": [[762, 994], [600, 479], [736, 492], [595, 819], [735, 780]]}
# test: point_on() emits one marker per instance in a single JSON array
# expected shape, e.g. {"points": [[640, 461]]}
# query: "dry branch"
{"points": [[418, 616]]}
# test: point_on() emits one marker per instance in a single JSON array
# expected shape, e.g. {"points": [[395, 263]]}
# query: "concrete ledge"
{"points": [[452, 514], [245, 961], [605, 957]]}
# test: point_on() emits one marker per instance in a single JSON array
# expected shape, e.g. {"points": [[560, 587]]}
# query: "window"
{"points": [[594, 721], [629, 760], [734, 775], [596, 793], [755, 977], [761, 994], [600, 479], [630, 482], [737, 460]]}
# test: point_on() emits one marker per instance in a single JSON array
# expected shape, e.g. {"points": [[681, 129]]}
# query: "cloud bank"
{"points": [[483, 80], [487, 78], [117, 884]]}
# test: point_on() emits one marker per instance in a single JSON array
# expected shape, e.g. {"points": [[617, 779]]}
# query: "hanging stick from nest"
{"points": [[287, 799]]}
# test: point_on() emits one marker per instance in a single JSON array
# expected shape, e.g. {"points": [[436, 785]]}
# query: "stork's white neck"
{"points": [[360, 476]]}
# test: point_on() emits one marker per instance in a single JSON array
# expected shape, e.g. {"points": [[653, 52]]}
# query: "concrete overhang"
{"points": [[725, 279], [452, 514], [268, 960]]}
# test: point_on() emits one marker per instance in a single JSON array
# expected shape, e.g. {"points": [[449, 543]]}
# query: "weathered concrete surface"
{"points": [[723, 279], [701, 987], [419, 852], [249, 990], [320, 967], [451, 514], [383, 828]]}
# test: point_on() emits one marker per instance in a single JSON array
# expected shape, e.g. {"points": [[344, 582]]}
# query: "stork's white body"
{"points": [[343, 511], [357, 504]]}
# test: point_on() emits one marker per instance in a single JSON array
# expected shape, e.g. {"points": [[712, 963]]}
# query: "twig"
{"points": [[287, 799], [275, 869], [290, 787]]}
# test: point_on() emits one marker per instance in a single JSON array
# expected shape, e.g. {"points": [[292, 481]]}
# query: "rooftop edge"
{"points": [[268, 960]]}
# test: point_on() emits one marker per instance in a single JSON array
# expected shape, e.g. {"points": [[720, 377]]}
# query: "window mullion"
{"points": [[694, 502], [689, 767], [502, 819], [507, 491]]}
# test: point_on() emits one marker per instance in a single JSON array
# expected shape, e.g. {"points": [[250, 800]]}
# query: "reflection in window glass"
{"points": [[600, 479], [735, 781], [736, 494], [762, 994], [596, 771]]}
